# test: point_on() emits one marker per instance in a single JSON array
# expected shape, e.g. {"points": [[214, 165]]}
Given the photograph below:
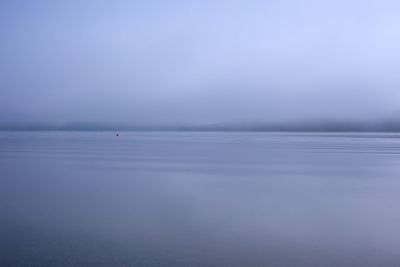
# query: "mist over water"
{"points": [[209, 167], [199, 199], [186, 62]]}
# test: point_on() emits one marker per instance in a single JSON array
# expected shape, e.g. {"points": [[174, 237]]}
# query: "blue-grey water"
{"points": [[199, 199]]}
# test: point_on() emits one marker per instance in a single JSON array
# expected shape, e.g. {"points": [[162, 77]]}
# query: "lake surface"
{"points": [[199, 199]]}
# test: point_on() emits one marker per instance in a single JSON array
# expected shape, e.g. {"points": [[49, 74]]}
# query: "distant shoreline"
{"points": [[391, 127]]}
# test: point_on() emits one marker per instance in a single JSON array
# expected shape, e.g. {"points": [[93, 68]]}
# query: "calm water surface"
{"points": [[199, 199]]}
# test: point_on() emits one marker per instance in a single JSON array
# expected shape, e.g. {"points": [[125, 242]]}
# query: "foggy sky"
{"points": [[198, 61]]}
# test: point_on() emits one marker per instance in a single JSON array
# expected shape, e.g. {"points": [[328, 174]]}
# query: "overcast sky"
{"points": [[198, 61]]}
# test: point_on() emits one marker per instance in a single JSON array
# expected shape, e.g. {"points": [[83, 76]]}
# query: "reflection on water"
{"points": [[199, 199]]}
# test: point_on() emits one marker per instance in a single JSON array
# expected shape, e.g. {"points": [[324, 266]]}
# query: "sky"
{"points": [[161, 62]]}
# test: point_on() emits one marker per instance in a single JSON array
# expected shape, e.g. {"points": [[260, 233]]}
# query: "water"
{"points": [[199, 199]]}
